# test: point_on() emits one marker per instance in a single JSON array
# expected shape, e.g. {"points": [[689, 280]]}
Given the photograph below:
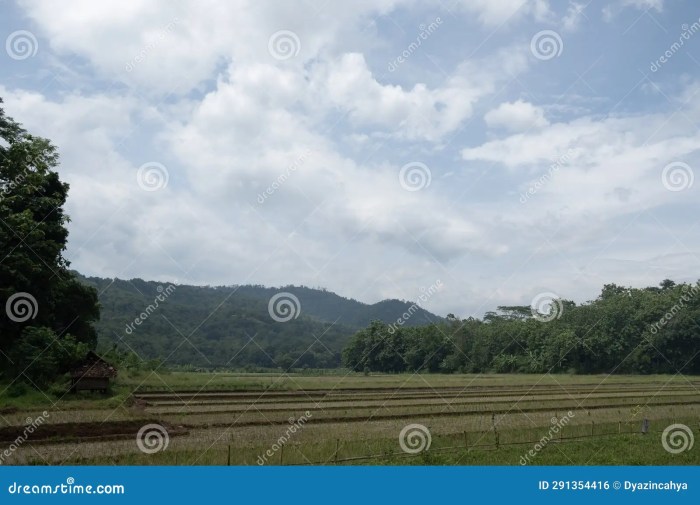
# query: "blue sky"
{"points": [[518, 147]]}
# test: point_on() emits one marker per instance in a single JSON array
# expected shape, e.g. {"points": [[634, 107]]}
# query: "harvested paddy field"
{"points": [[351, 420]]}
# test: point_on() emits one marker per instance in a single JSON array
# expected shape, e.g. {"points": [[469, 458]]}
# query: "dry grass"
{"points": [[354, 417]]}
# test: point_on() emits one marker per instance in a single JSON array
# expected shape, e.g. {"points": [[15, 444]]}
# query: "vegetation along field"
{"points": [[293, 419]]}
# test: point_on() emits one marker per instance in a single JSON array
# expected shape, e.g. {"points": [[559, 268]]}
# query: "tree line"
{"points": [[624, 330]]}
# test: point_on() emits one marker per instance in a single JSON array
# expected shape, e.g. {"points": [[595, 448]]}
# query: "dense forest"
{"points": [[624, 330], [230, 326]]}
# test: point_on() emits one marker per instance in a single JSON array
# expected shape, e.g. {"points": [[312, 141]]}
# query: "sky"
{"points": [[501, 151]]}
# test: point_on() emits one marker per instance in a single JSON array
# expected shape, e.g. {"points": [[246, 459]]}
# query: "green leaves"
{"points": [[32, 240], [625, 330]]}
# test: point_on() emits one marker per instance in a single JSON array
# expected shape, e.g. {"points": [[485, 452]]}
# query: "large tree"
{"points": [[46, 314]]}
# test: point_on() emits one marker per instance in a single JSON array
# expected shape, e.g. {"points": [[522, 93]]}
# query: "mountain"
{"points": [[233, 326]]}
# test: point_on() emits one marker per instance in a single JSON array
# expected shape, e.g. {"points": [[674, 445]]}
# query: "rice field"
{"points": [[239, 419]]}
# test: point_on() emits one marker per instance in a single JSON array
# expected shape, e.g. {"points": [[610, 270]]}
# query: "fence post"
{"points": [[592, 427], [337, 448], [619, 427], [228, 460], [466, 440], [281, 454], [493, 427]]}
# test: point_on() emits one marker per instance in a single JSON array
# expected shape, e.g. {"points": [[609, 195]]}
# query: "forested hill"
{"points": [[330, 307], [232, 327]]}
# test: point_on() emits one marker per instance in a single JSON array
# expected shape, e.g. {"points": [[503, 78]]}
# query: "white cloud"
{"points": [[611, 166], [573, 16], [492, 13], [172, 47], [610, 11], [516, 116]]}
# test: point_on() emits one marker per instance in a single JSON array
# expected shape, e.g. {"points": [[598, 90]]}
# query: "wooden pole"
{"points": [[228, 460], [281, 455], [337, 448]]}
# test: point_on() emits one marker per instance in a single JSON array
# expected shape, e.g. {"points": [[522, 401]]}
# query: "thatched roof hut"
{"points": [[92, 374]]}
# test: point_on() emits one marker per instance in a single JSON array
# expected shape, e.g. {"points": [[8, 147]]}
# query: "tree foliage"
{"points": [[625, 330], [46, 315]]}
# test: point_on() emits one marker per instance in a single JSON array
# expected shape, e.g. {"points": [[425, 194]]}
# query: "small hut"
{"points": [[92, 374]]}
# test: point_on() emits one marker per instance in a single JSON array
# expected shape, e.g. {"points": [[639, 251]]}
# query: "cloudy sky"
{"points": [[503, 148]]}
